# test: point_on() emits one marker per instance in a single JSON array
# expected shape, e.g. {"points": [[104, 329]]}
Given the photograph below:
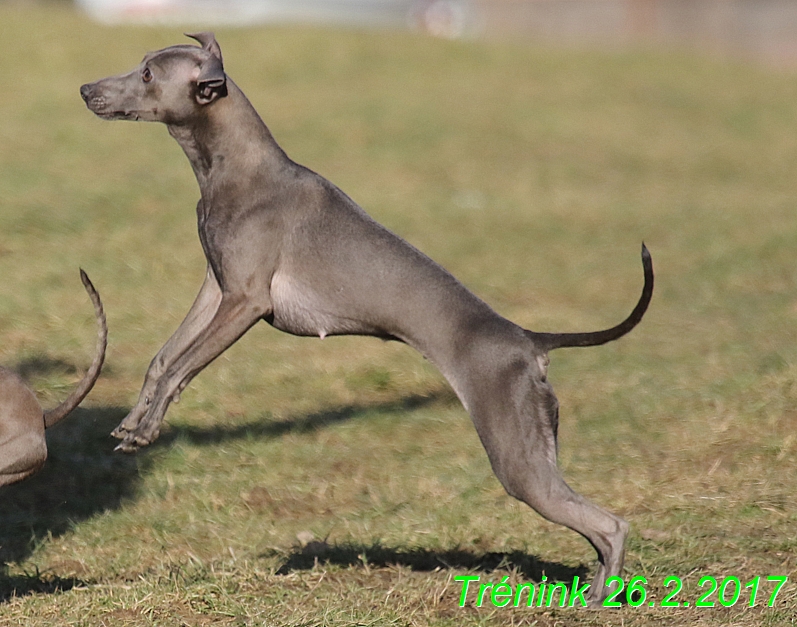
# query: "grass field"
{"points": [[302, 482]]}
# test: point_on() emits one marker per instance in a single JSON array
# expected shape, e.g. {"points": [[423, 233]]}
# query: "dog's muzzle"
{"points": [[93, 101]]}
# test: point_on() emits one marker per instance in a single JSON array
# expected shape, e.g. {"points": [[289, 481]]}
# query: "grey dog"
{"points": [[286, 246], [23, 449]]}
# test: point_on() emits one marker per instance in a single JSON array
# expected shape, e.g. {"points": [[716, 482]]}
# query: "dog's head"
{"points": [[172, 85]]}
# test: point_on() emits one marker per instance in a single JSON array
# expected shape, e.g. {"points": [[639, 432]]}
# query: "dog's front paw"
{"points": [[130, 422], [120, 433], [141, 427], [132, 441]]}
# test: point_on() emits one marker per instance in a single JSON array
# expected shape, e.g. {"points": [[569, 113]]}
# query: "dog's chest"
{"points": [[302, 310]]}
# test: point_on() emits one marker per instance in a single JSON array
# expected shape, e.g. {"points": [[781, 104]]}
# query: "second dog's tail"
{"points": [[56, 414], [550, 341]]}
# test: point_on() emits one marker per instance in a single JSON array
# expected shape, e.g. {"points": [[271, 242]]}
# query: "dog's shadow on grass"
{"points": [[529, 567], [269, 428], [81, 478], [84, 477]]}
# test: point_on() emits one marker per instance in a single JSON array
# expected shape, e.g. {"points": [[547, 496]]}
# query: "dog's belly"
{"points": [[300, 310]]}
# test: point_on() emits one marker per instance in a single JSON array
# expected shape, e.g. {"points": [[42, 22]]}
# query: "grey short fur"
{"points": [[286, 246], [23, 449]]}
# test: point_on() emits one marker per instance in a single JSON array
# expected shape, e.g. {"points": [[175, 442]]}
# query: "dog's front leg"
{"points": [[199, 316], [234, 316]]}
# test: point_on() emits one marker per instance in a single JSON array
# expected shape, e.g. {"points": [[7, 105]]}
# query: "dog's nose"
{"points": [[85, 92]]}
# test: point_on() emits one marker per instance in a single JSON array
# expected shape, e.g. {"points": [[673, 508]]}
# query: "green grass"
{"points": [[532, 174]]}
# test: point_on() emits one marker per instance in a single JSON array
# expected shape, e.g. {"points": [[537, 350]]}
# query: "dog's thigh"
{"points": [[21, 456]]}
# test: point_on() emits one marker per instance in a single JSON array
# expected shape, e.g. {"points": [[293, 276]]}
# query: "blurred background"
{"points": [[764, 29]]}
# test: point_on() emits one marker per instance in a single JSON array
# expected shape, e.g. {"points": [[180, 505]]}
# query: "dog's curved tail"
{"points": [[550, 341], [52, 416]]}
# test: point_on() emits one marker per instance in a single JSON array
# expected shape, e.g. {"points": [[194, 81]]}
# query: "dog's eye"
{"points": [[146, 75]]}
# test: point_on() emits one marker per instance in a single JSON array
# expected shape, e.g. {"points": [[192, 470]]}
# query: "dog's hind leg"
{"points": [[546, 492], [518, 429], [23, 455]]}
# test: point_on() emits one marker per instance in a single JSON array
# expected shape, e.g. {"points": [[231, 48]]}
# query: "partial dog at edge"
{"points": [[23, 449], [286, 246]]}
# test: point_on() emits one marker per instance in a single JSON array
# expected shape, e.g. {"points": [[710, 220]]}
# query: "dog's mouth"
{"points": [[118, 115], [99, 107]]}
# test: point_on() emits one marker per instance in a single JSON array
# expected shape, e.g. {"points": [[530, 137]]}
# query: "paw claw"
{"points": [[126, 447]]}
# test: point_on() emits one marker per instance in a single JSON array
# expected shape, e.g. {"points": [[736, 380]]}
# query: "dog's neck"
{"points": [[212, 142]]}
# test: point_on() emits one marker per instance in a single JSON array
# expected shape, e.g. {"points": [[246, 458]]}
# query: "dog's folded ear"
{"points": [[211, 82]]}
